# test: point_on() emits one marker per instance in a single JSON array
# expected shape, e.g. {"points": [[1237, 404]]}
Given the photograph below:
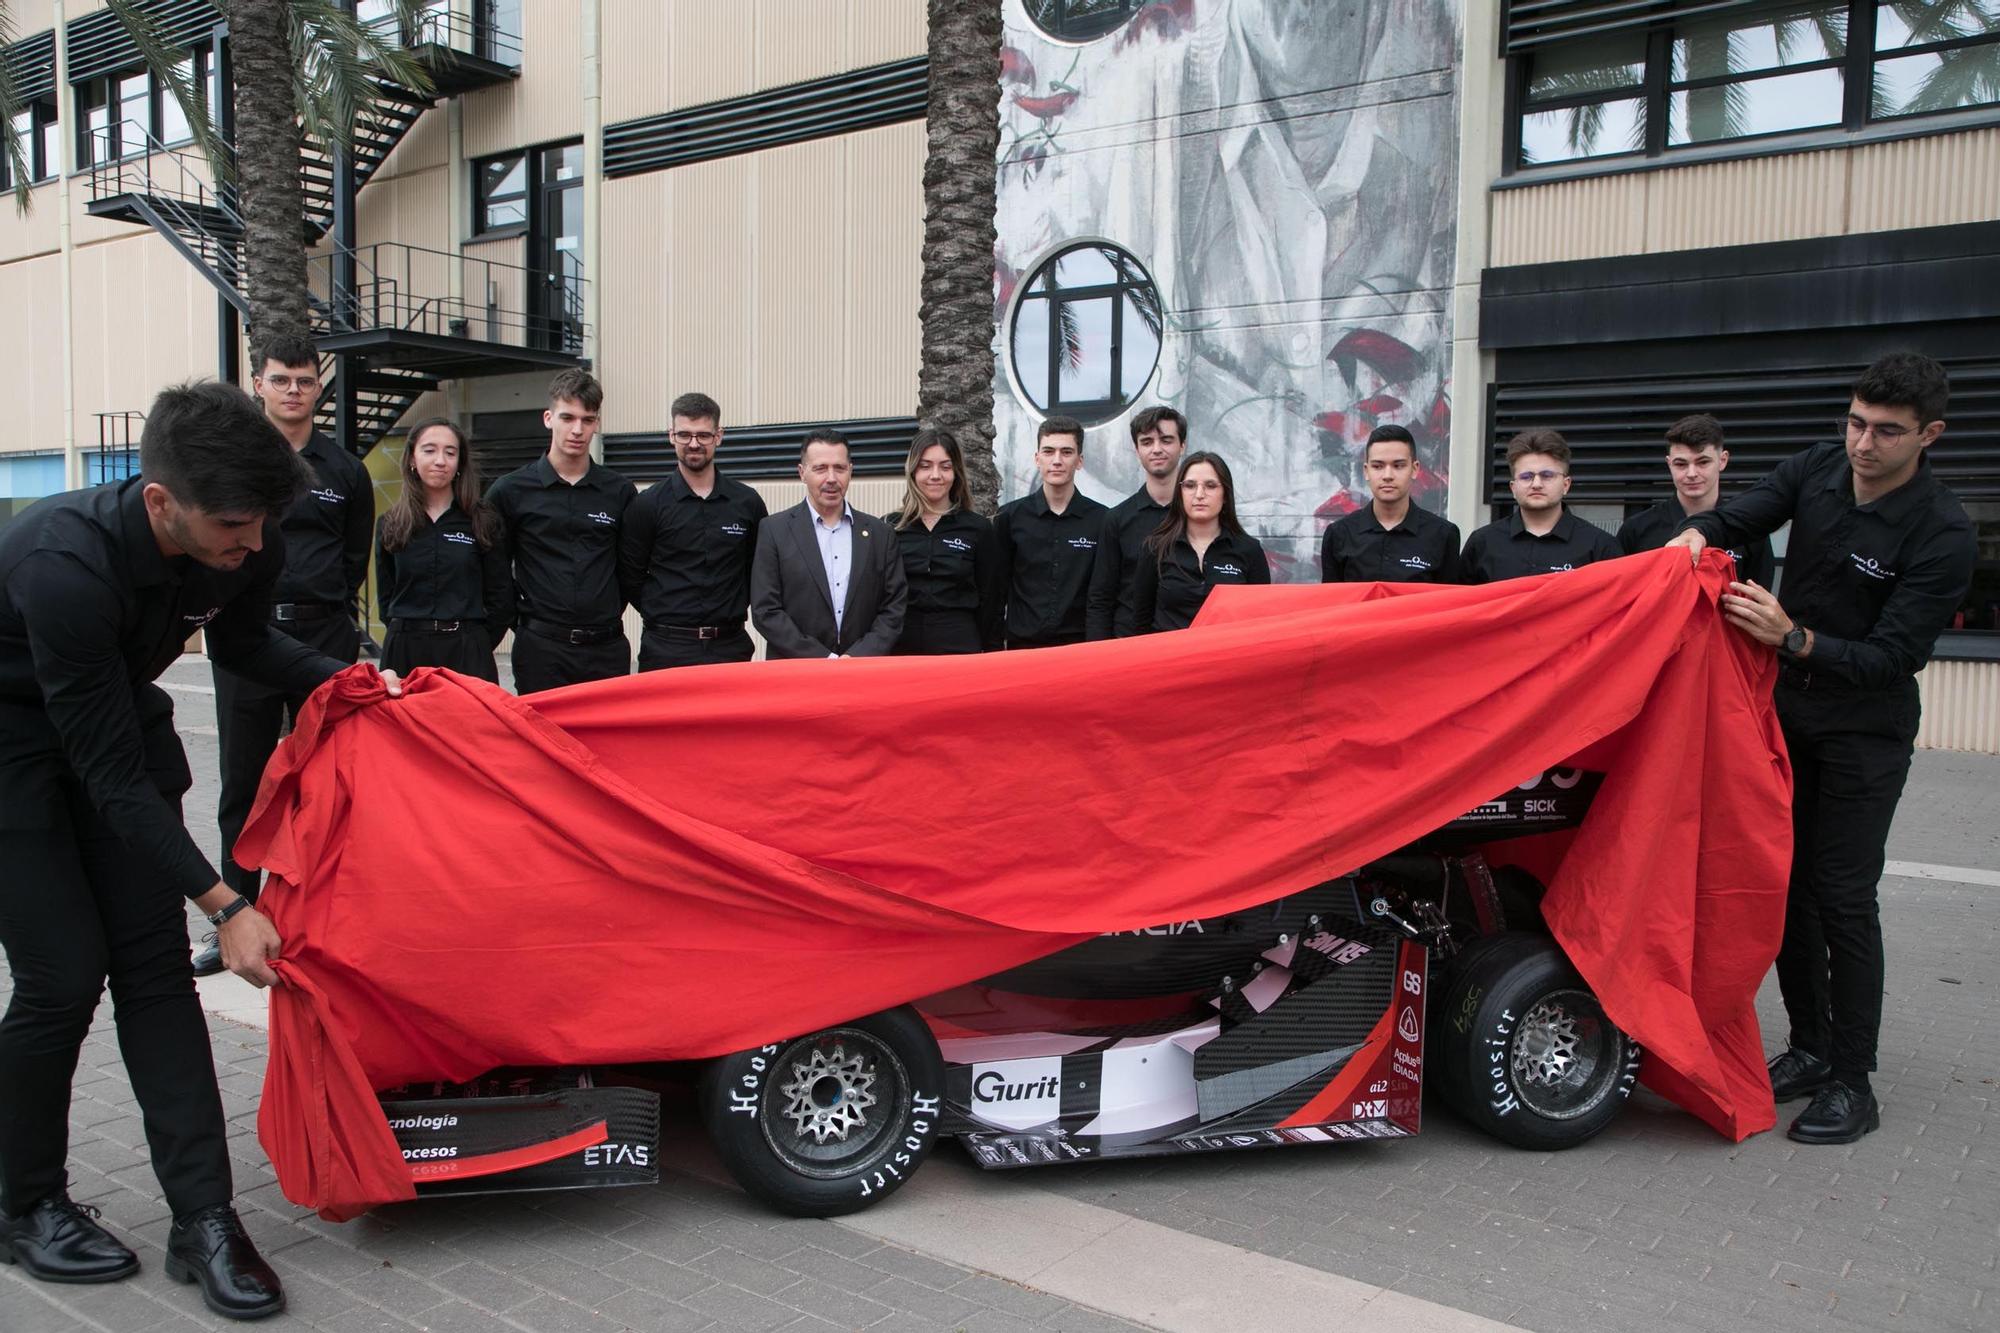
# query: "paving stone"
{"points": [[827, 1301], [745, 1311]]}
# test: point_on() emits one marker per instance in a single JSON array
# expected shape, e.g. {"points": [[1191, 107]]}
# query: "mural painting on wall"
{"points": [[1243, 209]]}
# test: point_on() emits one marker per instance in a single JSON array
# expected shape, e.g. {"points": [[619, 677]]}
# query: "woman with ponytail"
{"points": [[441, 574]]}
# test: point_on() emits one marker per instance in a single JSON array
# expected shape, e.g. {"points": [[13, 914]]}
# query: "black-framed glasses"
{"points": [[700, 437], [1889, 434], [305, 383]]}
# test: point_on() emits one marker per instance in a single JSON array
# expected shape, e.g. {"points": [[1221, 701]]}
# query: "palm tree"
{"points": [[961, 164], [303, 68]]}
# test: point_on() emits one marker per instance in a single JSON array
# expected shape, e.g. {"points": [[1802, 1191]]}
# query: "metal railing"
{"points": [[470, 27], [168, 183], [117, 455], [408, 288]]}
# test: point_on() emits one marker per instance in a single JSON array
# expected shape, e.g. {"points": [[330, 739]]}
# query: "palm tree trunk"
{"points": [[267, 172], [955, 378]]}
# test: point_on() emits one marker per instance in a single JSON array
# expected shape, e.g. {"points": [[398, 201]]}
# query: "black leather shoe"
{"points": [[1838, 1114], [60, 1241], [212, 1248], [209, 961], [1797, 1073]]}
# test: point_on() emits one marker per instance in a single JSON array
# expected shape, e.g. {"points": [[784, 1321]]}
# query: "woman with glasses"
{"points": [[441, 573], [1199, 545], [950, 555]]}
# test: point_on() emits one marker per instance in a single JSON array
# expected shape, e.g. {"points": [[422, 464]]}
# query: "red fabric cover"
{"points": [[664, 868]]}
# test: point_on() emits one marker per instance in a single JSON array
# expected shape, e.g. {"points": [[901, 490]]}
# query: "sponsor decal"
{"points": [[1563, 778], [460, 539], [1017, 1094], [419, 1154], [1171, 928], [1406, 1024], [200, 618], [1407, 1065], [1413, 982], [1870, 566], [1414, 562], [1502, 1101], [1337, 950], [618, 1154], [1367, 1110], [733, 530], [923, 1117], [424, 1122], [1083, 543], [1224, 567]]}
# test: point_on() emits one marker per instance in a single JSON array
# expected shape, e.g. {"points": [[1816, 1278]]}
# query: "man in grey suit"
{"points": [[826, 581]]}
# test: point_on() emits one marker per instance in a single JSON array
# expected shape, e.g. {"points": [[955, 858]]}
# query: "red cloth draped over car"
{"points": [[669, 867]]}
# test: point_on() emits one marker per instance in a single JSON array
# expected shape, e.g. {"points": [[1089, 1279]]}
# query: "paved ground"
{"points": [[1656, 1225]]}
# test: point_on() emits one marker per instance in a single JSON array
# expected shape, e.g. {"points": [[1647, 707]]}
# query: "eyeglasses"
{"points": [[305, 383], [703, 438], [1858, 429], [1545, 476]]}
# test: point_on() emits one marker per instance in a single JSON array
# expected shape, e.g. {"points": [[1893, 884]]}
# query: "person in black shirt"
{"points": [[440, 569], [328, 531], [1541, 536], [1392, 540], [1048, 544], [1199, 545], [951, 559], [1879, 558], [1696, 459], [561, 515], [99, 591], [684, 550], [1159, 434]]}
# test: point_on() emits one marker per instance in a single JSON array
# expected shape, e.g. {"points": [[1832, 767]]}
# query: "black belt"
{"points": [[693, 631], [576, 634], [433, 626], [284, 613]]}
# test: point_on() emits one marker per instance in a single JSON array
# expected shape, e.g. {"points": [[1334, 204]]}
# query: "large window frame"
{"points": [[1128, 294], [137, 97], [500, 167], [37, 126], [1655, 88]]}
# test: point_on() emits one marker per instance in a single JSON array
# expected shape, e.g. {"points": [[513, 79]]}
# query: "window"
{"points": [[1651, 89], [135, 112], [106, 465], [172, 121], [500, 193], [35, 128], [94, 140], [1082, 20], [1086, 333]]}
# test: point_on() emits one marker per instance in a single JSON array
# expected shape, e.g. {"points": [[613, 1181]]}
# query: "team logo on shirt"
{"points": [[200, 618], [1222, 567], [956, 543], [601, 517], [329, 496], [1414, 562], [1083, 543], [460, 538], [1558, 569], [733, 530], [1870, 566]]}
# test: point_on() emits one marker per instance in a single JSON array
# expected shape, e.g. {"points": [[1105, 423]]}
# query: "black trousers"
{"points": [[468, 650], [933, 633], [659, 650], [1850, 756], [545, 663], [249, 719], [77, 908]]}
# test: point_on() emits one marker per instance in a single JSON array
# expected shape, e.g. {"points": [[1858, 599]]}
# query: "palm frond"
{"points": [[340, 66], [171, 67], [1969, 76], [11, 146]]}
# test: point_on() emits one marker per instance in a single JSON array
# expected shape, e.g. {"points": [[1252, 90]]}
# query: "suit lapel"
{"points": [[808, 544], [862, 536]]}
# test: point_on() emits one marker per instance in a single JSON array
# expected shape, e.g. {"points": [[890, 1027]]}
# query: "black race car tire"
{"points": [[831, 1122], [1447, 1010], [1535, 1063]]}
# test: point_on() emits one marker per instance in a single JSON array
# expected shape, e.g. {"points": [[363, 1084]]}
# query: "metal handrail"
{"points": [[445, 24], [406, 287]]}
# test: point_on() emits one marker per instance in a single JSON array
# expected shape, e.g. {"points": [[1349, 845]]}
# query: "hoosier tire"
{"points": [[1523, 1050], [831, 1122]]}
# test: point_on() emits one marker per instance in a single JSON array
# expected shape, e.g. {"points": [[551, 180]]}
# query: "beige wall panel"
{"points": [[36, 232], [634, 359], [1961, 707], [710, 53], [503, 286], [884, 30], [885, 196], [1929, 182], [799, 39], [31, 351], [638, 58], [143, 319], [710, 287], [425, 145], [1785, 198], [799, 356], [413, 209], [1585, 219], [546, 103]]}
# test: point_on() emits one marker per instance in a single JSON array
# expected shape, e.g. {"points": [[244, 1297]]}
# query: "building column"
{"points": [[1480, 134]]}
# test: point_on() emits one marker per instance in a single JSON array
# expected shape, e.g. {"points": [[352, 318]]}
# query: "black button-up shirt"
{"points": [[1167, 592], [1108, 610], [1356, 548], [955, 566], [1047, 559], [328, 529], [562, 540], [442, 574], [1876, 583], [685, 558], [1650, 529], [90, 614], [1507, 550]]}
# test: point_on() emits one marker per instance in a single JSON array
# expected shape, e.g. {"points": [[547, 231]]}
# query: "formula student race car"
{"points": [[1304, 1020], [1319, 1016]]}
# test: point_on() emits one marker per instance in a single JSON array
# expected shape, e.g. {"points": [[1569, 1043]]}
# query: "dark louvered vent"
{"points": [[99, 44], [879, 446], [816, 109], [31, 64], [1615, 426], [503, 441], [1527, 24]]}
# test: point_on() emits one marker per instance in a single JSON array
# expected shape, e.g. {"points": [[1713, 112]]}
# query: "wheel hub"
{"points": [[1545, 1047], [828, 1094]]}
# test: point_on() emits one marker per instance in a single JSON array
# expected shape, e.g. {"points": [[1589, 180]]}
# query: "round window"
{"points": [[1081, 20], [1086, 332]]}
